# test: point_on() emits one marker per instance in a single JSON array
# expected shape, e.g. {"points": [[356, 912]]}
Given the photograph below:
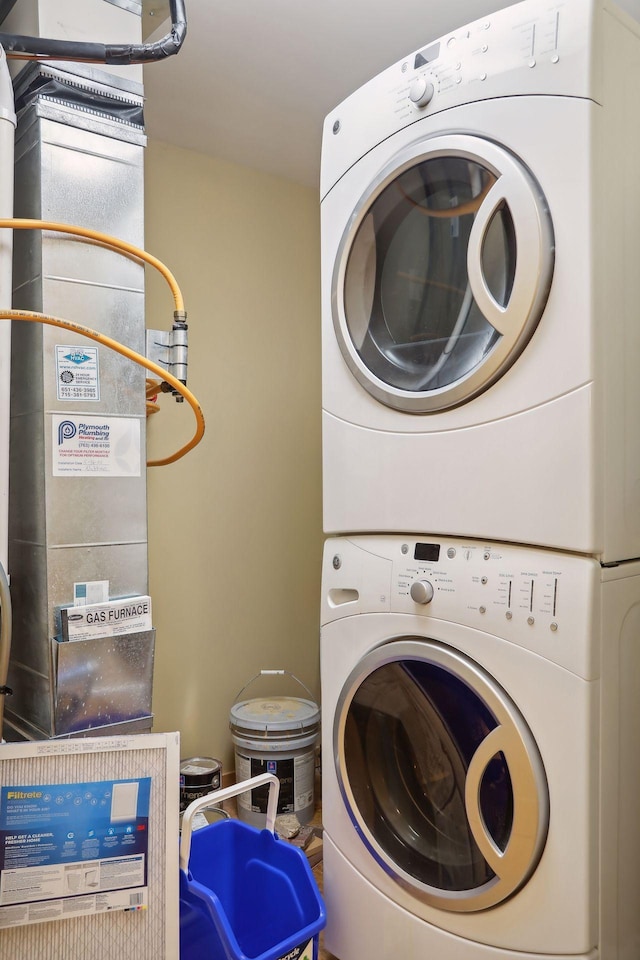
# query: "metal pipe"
{"points": [[39, 48]]}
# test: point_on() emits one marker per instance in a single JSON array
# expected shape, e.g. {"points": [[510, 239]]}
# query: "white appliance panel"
{"points": [[553, 631], [547, 453]]}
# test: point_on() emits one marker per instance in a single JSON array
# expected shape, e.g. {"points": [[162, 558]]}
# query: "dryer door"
{"points": [[441, 775], [442, 274]]}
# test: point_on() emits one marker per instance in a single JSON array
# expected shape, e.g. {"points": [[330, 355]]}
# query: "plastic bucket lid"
{"points": [[284, 718]]}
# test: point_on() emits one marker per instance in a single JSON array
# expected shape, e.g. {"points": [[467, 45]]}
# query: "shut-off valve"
{"points": [[169, 349]]}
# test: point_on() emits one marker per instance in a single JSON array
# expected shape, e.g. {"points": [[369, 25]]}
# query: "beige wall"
{"points": [[235, 527]]}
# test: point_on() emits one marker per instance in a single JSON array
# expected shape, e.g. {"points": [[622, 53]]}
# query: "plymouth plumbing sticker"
{"points": [[77, 375], [88, 446]]}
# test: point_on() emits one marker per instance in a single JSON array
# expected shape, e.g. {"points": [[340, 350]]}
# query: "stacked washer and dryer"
{"points": [[480, 639]]}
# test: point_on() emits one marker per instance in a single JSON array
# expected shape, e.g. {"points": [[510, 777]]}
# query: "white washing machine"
{"points": [[481, 769], [480, 286]]}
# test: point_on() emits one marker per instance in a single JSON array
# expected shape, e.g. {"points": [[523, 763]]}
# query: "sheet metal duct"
{"points": [[79, 160], [7, 136]]}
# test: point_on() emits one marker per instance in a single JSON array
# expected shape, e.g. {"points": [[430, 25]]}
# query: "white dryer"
{"points": [[480, 286], [481, 770]]}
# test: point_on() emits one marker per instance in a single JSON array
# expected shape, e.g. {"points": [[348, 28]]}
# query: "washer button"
{"points": [[421, 591], [451, 552], [531, 621]]}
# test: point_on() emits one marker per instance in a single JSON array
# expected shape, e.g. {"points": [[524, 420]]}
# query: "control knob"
{"points": [[421, 591], [421, 92]]}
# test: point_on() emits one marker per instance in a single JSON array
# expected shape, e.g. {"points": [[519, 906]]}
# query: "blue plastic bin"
{"points": [[245, 894]]}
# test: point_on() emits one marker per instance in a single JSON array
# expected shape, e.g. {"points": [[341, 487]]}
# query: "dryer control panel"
{"points": [[543, 600], [529, 48]]}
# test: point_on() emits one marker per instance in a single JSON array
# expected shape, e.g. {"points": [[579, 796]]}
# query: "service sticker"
{"points": [[77, 374], [88, 446]]}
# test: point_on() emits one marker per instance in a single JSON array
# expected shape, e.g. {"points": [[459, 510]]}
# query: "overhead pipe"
{"points": [[40, 48]]}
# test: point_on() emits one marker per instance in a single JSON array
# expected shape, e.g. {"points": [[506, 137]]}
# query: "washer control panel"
{"points": [[546, 601], [483, 579]]}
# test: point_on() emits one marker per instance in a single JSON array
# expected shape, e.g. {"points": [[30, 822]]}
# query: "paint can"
{"points": [[276, 735], [198, 777]]}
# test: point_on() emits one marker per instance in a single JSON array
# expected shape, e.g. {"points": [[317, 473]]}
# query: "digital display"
{"points": [[428, 55], [427, 551]]}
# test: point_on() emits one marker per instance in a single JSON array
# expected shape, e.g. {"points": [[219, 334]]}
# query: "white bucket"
{"points": [[276, 735]]}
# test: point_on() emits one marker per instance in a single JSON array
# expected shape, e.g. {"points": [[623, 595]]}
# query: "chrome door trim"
{"points": [[532, 239], [517, 188], [516, 864]]}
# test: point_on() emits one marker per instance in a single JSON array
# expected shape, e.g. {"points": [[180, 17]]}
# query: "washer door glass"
{"points": [[441, 775], [442, 274]]}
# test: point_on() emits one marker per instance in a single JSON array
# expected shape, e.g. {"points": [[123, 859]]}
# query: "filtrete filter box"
{"points": [[109, 619]]}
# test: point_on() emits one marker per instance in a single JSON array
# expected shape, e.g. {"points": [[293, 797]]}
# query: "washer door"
{"points": [[441, 775], [442, 274]]}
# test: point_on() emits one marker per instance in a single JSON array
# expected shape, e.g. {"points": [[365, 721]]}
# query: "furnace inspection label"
{"points": [[77, 373], [88, 446]]}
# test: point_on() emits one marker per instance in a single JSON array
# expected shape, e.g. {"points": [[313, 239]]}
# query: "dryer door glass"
{"points": [[442, 275], [431, 770]]}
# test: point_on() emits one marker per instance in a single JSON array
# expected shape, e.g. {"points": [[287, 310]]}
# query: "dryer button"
{"points": [[421, 92]]}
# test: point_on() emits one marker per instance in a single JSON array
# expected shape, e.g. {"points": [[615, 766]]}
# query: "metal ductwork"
{"points": [[77, 509]]}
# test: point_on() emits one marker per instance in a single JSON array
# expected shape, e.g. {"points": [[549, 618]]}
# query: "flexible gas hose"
{"points": [[121, 246], [137, 253], [74, 327]]}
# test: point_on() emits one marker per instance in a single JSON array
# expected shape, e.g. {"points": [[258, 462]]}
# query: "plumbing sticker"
{"points": [[69, 850], [88, 446], [77, 374]]}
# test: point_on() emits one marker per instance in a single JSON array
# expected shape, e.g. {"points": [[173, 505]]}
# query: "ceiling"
{"points": [[255, 78]]}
